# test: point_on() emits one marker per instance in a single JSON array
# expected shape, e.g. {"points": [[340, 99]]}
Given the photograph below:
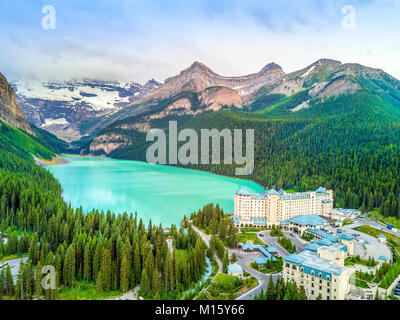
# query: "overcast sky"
{"points": [[142, 39]]}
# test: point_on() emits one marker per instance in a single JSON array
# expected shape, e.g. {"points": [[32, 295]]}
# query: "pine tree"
{"points": [[226, 261], [271, 291], [9, 282], [106, 270], [124, 282]]}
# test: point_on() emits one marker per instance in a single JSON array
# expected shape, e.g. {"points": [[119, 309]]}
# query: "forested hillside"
{"points": [[113, 252], [350, 143]]}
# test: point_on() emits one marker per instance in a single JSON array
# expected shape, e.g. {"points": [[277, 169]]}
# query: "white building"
{"points": [[272, 207]]}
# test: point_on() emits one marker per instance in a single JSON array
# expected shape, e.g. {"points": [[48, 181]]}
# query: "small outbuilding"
{"points": [[235, 270]]}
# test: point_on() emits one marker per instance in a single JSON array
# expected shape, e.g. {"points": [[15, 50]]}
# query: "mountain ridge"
{"points": [[9, 110]]}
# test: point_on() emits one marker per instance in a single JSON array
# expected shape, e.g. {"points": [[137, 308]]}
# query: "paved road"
{"points": [[298, 241], [369, 246], [206, 239], [244, 259], [130, 295], [265, 237], [14, 265], [372, 223]]}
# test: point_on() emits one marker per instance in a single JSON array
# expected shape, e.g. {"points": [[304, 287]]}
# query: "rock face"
{"points": [[199, 77], [9, 111]]}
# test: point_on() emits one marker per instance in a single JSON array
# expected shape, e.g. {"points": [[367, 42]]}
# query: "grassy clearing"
{"points": [[391, 238], [252, 237], [254, 230], [84, 290], [361, 284], [226, 287], [376, 215], [351, 261], [13, 257]]}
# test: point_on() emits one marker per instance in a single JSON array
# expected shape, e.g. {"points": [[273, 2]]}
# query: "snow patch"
{"points": [[50, 122], [304, 105], [304, 75]]}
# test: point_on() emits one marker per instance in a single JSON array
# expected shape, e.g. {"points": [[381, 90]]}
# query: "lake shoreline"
{"points": [[160, 192]]}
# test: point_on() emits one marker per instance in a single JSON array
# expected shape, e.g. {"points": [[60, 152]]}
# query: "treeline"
{"points": [[348, 143], [282, 291], [115, 251], [213, 221]]}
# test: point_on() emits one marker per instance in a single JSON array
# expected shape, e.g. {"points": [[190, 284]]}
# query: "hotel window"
{"points": [[312, 291], [320, 275], [312, 272]]}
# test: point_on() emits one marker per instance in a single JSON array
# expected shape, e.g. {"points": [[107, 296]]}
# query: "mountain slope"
{"points": [[60, 107], [9, 111], [199, 77], [16, 134], [329, 124]]}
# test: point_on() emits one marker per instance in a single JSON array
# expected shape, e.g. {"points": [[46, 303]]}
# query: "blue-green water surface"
{"points": [[164, 194]]}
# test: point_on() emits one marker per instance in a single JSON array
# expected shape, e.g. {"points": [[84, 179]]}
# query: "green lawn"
{"points": [[376, 232], [249, 237], [85, 291], [274, 268], [351, 261], [226, 287], [376, 215], [253, 229], [361, 284], [13, 257]]}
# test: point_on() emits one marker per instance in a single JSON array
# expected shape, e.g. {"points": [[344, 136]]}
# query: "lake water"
{"points": [[164, 194]]}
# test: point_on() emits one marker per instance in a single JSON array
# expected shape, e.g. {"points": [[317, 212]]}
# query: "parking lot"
{"points": [[365, 246]]}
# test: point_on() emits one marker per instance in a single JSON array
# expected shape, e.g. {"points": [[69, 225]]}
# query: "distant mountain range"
{"points": [[60, 107], [330, 124], [198, 89]]}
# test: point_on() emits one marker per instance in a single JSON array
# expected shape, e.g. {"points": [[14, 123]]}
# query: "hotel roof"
{"points": [[234, 268], [312, 247], [243, 192], [272, 192], [272, 249], [324, 242], [346, 236], [310, 263], [323, 234], [308, 220]]}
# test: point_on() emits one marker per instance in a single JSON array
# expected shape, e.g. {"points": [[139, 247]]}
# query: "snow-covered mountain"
{"points": [[61, 107]]}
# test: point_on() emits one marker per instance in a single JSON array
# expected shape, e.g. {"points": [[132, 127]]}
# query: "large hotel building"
{"points": [[274, 207]]}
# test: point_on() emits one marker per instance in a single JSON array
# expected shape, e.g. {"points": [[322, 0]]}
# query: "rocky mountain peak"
{"points": [[271, 66], [9, 111]]}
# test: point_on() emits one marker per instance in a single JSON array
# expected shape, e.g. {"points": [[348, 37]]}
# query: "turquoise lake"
{"points": [[164, 194]]}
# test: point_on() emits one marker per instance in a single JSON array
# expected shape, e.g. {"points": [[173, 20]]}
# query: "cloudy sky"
{"points": [[142, 39]]}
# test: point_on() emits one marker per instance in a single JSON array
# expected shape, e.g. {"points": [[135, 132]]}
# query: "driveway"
{"points": [[265, 237]]}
